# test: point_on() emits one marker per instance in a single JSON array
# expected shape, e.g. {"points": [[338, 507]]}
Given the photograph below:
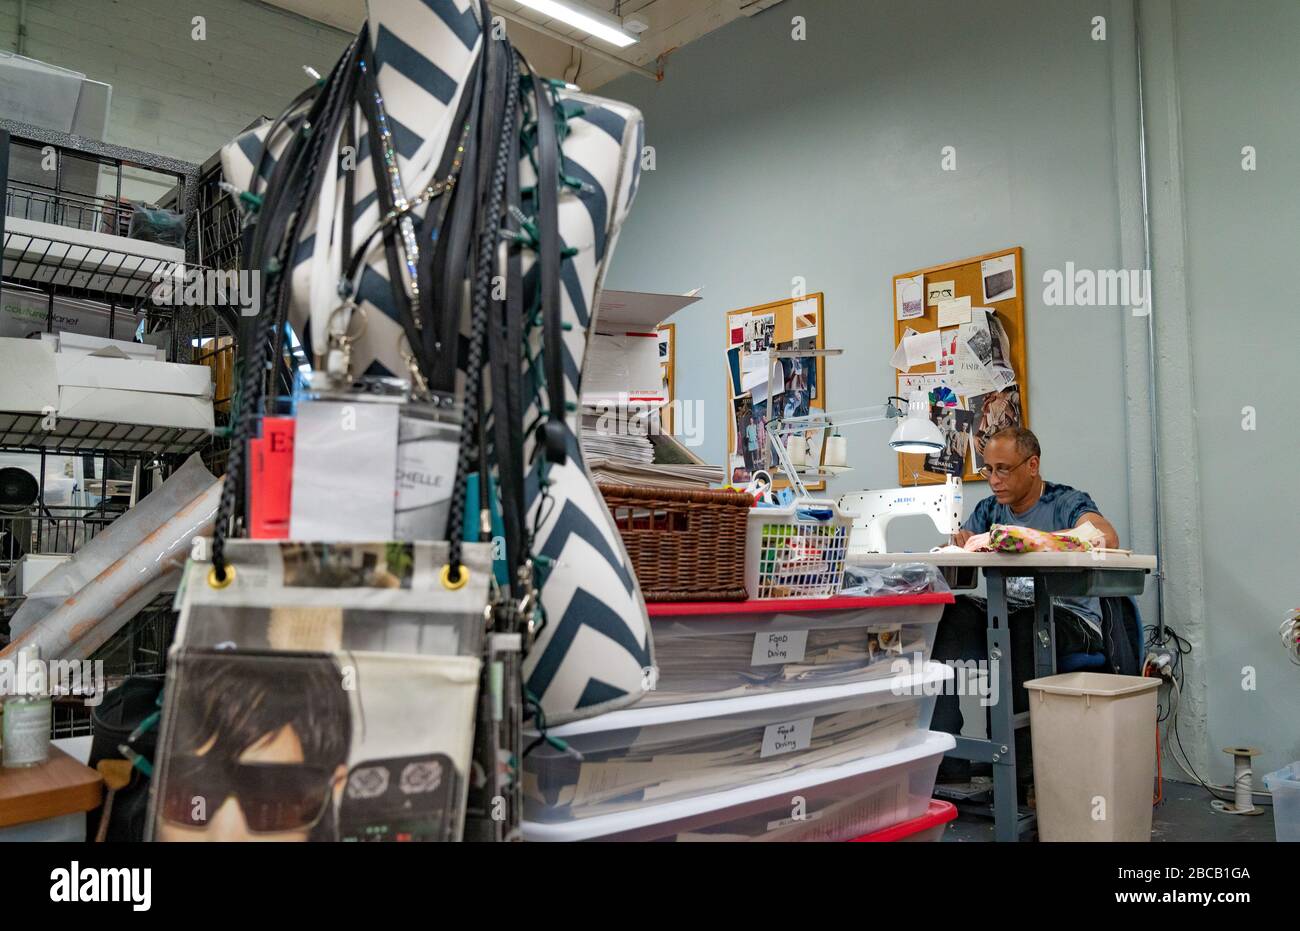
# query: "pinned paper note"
{"points": [[999, 277], [936, 291], [805, 318], [908, 384], [899, 359], [953, 312], [947, 351], [915, 349], [922, 348], [907, 297]]}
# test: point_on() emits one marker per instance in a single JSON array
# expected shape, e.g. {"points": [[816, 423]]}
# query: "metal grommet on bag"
{"points": [[216, 582], [445, 578]]}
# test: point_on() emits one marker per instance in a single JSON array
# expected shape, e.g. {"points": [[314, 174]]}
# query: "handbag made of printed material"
{"points": [[323, 692], [447, 221]]}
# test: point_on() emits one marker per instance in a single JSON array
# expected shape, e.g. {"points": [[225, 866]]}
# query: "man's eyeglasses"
{"points": [[1002, 471]]}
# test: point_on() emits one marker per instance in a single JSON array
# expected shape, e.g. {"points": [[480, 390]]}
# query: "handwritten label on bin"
{"points": [[786, 738], [779, 646]]}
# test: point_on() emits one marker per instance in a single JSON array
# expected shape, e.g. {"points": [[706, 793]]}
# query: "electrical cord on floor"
{"points": [[1173, 673], [1185, 763]]}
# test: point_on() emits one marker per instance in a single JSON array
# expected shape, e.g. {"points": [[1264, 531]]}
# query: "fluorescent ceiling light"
{"points": [[600, 25]]}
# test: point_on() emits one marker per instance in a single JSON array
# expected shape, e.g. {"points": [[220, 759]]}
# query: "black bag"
{"points": [[154, 224], [112, 721]]}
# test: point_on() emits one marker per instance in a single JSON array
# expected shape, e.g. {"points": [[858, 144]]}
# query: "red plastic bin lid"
{"points": [[938, 813]]}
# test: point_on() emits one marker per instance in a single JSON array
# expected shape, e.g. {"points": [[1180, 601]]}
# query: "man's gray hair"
{"points": [[1024, 439]]}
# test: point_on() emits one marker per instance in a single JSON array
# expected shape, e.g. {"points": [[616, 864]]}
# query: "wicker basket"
{"points": [[685, 545]]}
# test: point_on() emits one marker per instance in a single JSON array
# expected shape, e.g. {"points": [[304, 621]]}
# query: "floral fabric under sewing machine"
{"points": [[1008, 538]]}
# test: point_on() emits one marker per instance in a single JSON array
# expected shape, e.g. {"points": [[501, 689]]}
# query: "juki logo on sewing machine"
{"points": [[787, 737], [779, 646]]}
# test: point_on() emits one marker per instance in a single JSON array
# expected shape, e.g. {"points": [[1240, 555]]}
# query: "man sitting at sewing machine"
{"points": [[1021, 497]]}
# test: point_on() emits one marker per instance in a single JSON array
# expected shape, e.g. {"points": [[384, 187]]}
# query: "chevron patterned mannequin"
{"points": [[591, 653]]}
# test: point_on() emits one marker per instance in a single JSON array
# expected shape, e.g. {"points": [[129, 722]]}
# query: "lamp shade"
{"points": [[917, 432]]}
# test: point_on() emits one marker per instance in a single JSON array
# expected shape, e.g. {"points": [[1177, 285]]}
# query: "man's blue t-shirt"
{"points": [[1059, 507]]}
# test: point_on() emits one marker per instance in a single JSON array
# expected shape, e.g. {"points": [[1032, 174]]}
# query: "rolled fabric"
{"points": [[88, 617], [112, 543]]}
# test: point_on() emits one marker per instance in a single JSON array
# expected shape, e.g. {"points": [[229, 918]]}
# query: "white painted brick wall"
{"points": [[172, 94]]}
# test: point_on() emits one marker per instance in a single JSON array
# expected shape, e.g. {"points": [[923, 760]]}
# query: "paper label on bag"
{"points": [[425, 470], [787, 737], [774, 647]]}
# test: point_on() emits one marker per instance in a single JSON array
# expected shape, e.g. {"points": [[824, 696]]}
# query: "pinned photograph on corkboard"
{"points": [[992, 412]]}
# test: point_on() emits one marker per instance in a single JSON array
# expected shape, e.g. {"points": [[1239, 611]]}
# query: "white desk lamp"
{"points": [[917, 433], [873, 510]]}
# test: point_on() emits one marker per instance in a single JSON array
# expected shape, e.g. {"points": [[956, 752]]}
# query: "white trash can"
{"points": [[1094, 755]]}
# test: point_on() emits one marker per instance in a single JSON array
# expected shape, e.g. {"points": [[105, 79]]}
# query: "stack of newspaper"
{"points": [[656, 459]]}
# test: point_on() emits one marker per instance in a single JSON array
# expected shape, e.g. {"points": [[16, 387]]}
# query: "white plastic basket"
{"points": [[796, 551]]}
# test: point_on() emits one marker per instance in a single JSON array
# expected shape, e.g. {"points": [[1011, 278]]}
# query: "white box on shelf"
{"points": [[96, 371], [81, 344], [838, 803], [146, 408], [648, 755], [29, 381], [28, 571]]}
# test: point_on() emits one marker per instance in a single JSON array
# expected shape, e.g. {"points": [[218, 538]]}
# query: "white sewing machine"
{"points": [[875, 509]]}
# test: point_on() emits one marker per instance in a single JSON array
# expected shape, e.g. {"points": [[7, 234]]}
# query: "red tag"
{"points": [[270, 480]]}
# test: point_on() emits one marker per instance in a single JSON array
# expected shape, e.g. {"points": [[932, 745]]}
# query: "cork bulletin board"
{"points": [[994, 280], [785, 324]]}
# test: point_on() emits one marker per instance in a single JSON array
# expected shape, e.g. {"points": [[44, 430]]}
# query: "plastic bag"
{"points": [[908, 578], [154, 224]]}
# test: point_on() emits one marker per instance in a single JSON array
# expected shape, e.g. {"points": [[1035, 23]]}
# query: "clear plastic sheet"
{"points": [[900, 578]]}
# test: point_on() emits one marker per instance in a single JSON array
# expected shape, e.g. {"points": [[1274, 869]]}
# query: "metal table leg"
{"points": [[1044, 631], [1006, 811]]}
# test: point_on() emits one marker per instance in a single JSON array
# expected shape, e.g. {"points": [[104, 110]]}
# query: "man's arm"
{"points": [[1105, 526], [978, 522]]}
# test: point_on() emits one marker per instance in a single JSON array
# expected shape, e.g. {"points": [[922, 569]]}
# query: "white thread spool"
{"points": [[837, 451], [796, 448], [1243, 784]]}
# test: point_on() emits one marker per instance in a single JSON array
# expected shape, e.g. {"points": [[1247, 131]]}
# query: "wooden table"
{"points": [[1091, 575], [59, 786]]}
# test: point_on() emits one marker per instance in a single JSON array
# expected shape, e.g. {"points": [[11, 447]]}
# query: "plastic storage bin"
{"points": [[796, 551], [648, 755], [828, 803], [928, 828], [1094, 755], [711, 651], [1285, 786]]}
